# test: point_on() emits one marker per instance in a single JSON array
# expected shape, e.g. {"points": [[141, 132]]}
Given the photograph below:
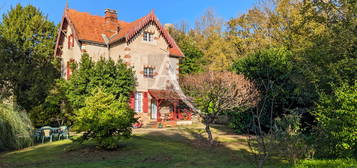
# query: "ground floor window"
{"points": [[138, 102]]}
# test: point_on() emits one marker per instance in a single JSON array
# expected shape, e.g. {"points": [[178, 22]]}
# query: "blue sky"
{"points": [[168, 11]]}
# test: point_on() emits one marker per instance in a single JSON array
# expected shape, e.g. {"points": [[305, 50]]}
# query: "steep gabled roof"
{"points": [[89, 27]]}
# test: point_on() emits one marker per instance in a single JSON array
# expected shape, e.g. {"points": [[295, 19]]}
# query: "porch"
{"points": [[167, 106]]}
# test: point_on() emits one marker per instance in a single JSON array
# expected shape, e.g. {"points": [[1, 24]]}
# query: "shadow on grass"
{"points": [[153, 149]]}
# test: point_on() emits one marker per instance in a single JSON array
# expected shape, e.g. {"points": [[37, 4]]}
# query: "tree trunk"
{"points": [[209, 133]]}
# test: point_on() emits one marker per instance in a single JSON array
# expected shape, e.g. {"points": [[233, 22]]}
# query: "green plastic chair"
{"points": [[63, 132], [46, 132], [37, 135]]}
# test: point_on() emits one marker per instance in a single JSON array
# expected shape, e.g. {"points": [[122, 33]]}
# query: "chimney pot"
{"points": [[111, 15]]}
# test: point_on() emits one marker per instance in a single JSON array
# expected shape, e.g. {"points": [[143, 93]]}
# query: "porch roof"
{"points": [[164, 94]]}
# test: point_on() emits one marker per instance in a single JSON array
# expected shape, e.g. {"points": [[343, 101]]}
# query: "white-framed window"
{"points": [[138, 102], [149, 37], [148, 72]]}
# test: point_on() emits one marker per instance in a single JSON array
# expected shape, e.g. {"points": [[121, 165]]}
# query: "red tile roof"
{"points": [[89, 27]]}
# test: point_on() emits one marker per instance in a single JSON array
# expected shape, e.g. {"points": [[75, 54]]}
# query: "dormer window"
{"points": [[148, 72], [149, 37]]}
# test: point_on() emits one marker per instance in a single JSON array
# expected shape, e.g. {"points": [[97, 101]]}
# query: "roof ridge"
{"points": [[103, 17], [90, 27]]}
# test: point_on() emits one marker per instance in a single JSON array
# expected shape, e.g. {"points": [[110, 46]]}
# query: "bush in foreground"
{"points": [[15, 128], [105, 119]]}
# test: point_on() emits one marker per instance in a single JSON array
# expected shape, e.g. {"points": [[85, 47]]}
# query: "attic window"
{"points": [[70, 41], [149, 37]]}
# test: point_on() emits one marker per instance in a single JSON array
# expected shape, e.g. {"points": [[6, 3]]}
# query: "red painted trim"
{"points": [[72, 40], [158, 102], [69, 41], [132, 101], [145, 103], [151, 17]]}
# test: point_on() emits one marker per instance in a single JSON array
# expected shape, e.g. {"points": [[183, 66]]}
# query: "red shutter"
{"points": [[72, 40], [69, 42], [145, 102], [132, 101]]}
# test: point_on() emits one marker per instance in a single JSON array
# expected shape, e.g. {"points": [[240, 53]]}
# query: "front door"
{"points": [[153, 109]]}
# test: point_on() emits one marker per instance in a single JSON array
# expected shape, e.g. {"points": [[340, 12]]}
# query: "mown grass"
{"points": [[179, 148]]}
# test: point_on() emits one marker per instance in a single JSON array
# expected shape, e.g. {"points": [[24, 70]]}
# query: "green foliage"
{"points": [[337, 126], [278, 81], [15, 128], [105, 119], [339, 163], [56, 110], [293, 144], [240, 120], [113, 78], [27, 40], [193, 60]]}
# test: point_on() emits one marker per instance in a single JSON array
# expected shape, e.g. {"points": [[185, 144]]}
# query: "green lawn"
{"points": [[146, 149]]}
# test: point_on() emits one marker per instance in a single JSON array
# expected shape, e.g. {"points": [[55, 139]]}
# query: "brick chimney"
{"points": [[111, 16]]}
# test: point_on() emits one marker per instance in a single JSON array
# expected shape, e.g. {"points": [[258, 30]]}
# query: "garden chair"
{"points": [[56, 132], [46, 133], [37, 135], [63, 132]]}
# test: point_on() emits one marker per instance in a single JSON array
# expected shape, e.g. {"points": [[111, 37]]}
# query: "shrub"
{"points": [[337, 126], [239, 120], [15, 128], [105, 119], [292, 143]]}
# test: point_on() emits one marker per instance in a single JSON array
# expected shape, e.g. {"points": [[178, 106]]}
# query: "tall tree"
{"points": [[193, 61], [210, 38], [28, 39]]}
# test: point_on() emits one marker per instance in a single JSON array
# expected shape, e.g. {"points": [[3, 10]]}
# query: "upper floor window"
{"points": [[148, 36], [70, 41], [148, 72], [69, 69]]}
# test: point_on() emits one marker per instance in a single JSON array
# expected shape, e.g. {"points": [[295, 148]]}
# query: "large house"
{"points": [[143, 44]]}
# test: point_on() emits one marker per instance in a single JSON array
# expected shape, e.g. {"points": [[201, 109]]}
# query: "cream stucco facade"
{"points": [[136, 53]]}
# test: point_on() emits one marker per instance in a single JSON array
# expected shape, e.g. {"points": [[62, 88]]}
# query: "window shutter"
{"points": [[145, 102], [69, 41], [132, 101], [72, 40]]}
